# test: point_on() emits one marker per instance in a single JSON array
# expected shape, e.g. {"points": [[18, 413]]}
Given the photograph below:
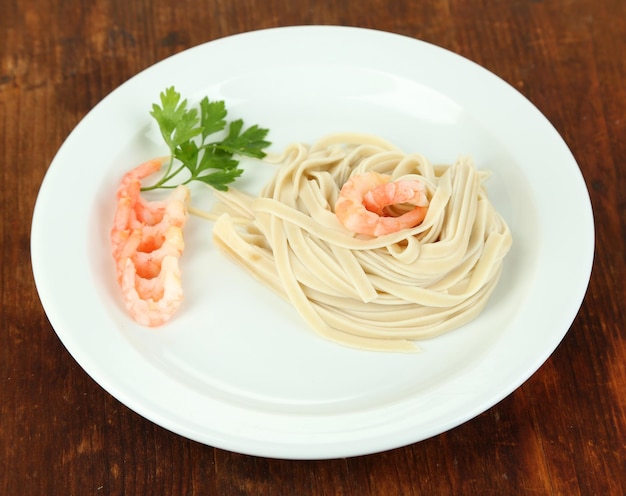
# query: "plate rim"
{"points": [[285, 450]]}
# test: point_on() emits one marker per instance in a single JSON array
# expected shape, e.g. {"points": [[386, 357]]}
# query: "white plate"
{"points": [[236, 368]]}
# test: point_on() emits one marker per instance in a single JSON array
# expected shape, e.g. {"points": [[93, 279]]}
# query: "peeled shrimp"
{"points": [[366, 201], [147, 243]]}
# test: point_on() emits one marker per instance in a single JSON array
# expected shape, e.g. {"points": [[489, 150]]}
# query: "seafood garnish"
{"points": [[365, 200], [147, 243]]}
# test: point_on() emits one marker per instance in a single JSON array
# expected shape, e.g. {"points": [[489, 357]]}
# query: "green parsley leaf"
{"points": [[185, 132], [177, 123], [251, 142], [219, 179], [213, 116], [216, 158]]}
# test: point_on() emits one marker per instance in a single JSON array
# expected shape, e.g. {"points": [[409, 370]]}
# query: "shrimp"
{"points": [[152, 302], [147, 243], [365, 204]]}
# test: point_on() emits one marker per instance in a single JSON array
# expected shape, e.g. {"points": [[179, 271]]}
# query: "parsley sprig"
{"points": [[186, 133]]}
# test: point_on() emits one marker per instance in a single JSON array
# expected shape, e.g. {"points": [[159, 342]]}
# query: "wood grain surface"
{"points": [[563, 432]]}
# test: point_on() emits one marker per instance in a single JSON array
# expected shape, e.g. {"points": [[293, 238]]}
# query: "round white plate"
{"points": [[236, 368]]}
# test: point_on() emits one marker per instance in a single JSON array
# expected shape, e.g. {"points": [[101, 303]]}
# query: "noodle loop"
{"points": [[372, 292]]}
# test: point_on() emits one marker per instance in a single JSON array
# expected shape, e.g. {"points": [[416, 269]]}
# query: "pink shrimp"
{"points": [[152, 302], [147, 243], [365, 204]]}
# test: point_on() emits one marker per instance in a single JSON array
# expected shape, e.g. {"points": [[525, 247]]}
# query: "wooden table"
{"points": [[562, 432]]}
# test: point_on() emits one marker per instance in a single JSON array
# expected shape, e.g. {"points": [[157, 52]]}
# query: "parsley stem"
{"points": [[166, 178], [169, 165]]}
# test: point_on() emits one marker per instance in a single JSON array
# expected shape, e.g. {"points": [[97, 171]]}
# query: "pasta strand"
{"points": [[377, 293]]}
